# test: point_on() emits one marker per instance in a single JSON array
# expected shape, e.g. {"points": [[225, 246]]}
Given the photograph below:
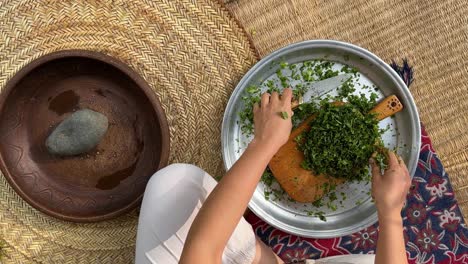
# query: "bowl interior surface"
{"points": [[110, 179]]}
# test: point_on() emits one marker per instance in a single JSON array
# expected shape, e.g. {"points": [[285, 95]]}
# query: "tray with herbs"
{"points": [[341, 135]]}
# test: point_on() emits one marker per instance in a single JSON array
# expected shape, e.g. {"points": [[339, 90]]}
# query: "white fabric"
{"points": [[172, 199]]}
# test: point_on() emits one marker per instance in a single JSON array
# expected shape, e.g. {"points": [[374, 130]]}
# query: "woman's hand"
{"points": [[389, 190], [272, 120], [208, 236]]}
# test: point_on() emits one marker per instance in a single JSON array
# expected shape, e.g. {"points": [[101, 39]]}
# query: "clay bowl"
{"points": [[105, 182]]}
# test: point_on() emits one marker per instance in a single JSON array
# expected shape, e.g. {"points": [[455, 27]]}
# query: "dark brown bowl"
{"points": [[109, 180]]}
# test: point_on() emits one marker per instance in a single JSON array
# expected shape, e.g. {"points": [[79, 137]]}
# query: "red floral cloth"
{"points": [[434, 229]]}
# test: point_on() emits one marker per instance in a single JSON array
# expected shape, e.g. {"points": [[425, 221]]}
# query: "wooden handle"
{"points": [[296, 102], [388, 107]]}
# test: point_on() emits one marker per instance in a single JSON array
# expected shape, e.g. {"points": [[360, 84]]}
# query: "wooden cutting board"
{"points": [[303, 185]]}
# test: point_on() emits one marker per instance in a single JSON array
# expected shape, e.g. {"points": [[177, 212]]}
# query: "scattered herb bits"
{"points": [[284, 115], [341, 138]]}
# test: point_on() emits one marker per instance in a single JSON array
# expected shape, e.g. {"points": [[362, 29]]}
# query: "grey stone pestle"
{"points": [[79, 133]]}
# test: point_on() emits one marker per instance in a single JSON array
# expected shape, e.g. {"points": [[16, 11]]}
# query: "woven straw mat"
{"points": [[431, 34], [192, 53]]}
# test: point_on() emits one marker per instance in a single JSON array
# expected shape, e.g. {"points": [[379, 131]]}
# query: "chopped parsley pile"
{"points": [[341, 138]]}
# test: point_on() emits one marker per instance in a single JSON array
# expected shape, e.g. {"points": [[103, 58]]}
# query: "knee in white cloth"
{"points": [[171, 197], [179, 178]]}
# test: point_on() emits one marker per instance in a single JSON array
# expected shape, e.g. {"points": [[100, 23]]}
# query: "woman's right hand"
{"points": [[272, 121], [389, 190]]}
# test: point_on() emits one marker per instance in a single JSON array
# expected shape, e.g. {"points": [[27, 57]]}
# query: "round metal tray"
{"points": [[357, 211]]}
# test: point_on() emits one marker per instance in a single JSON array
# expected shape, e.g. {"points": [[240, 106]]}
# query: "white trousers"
{"points": [[171, 201]]}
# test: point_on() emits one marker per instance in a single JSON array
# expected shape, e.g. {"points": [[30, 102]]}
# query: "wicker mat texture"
{"points": [[431, 34], [192, 53]]}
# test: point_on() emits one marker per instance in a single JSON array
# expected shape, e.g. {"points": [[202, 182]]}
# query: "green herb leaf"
{"points": [[284, 115], [267, 178], [321, 216], [341, 139]]}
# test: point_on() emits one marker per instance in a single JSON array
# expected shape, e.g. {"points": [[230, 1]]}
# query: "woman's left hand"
{"points": [[272, 120]]}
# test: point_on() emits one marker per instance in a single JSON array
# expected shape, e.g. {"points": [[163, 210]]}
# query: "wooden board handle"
{"points": [[295, 102], [388, 107], [300, 184]]}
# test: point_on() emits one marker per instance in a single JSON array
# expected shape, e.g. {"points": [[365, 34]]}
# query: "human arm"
{"points": [[222, 210], [389, 192]]}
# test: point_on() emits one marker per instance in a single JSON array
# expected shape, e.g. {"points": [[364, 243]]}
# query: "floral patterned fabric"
{"points": [[434, 228]]}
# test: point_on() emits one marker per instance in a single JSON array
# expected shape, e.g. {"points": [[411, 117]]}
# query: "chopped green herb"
{"points": [[278, 194], [267, 178], [284, 115], [381, 158], [298, 139], [303, 111], [346, 89], [331, 206], [305, 165], [341, 139], [336, 133], [299, 90], [318, 203], [321, 216], [252, 89]]}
